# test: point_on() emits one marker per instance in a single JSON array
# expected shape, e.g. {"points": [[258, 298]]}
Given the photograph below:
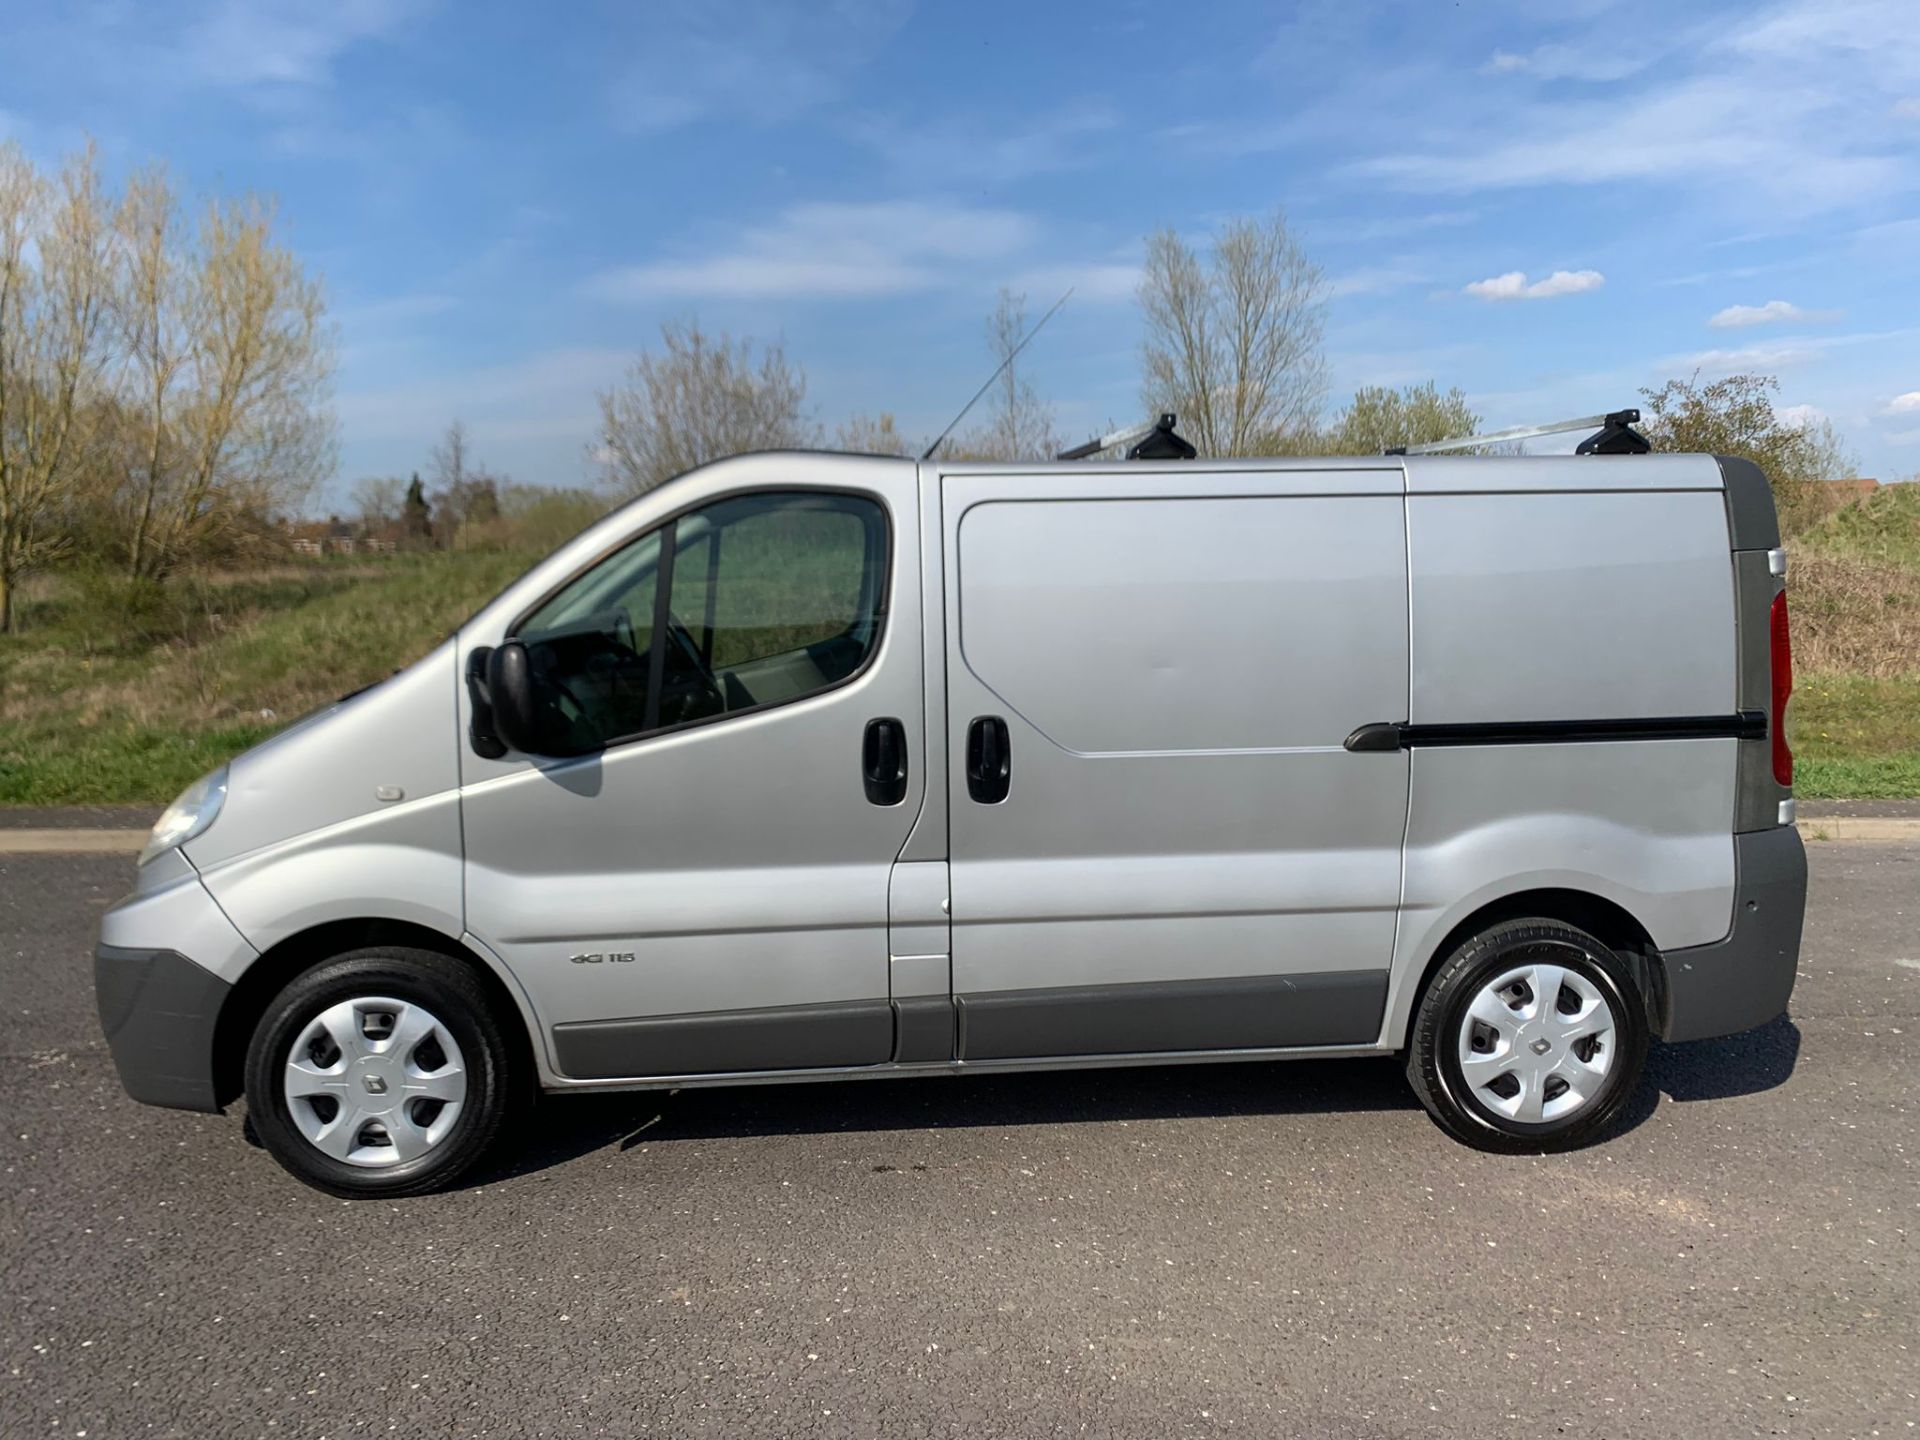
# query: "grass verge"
{"points": [[88, 719]]}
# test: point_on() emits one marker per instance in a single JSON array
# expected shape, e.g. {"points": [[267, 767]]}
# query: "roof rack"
{"points": [[1616, 436], [1152, 441]]}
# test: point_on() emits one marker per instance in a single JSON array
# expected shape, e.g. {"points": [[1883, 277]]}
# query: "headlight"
{"points": [[198, 806]]}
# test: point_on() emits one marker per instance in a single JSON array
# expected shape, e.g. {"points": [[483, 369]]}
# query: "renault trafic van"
{"points": [[810, 766]]}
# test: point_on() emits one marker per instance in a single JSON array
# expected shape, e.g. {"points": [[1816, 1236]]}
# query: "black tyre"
{"points": [[1531, 1037], [383, 1072]]}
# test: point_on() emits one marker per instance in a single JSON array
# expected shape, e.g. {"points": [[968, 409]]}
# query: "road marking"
{"points": [[1860, 827], [72, 842], [1910, 964]]}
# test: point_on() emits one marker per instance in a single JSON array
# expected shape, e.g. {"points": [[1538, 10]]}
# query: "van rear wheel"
{"points": [[1531, 1037], [383, 1072]]}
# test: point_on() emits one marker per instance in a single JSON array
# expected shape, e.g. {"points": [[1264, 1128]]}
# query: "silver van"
{"points": [[811, 766]]}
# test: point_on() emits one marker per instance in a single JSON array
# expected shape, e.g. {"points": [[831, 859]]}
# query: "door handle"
{"points": [[883, 762], [989, 760]]}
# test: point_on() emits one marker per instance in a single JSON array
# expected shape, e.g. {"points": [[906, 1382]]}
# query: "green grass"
{"points": [[1883, 529], [1856, 737], [112, 696], [87, 717]]}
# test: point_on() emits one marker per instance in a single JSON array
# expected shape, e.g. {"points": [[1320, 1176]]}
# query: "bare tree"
{"points": [[871, 435], [227, 368], [378, 500], [467, 493], [697, 399], [1233, 342], [53, 293], [1018, 423]]}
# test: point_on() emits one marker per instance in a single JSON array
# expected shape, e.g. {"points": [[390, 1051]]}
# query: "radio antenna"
{"points": [[927, 454]]}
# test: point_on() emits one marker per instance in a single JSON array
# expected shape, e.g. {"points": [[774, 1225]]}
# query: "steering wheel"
{"points": [[702, 676], [623, 630]]}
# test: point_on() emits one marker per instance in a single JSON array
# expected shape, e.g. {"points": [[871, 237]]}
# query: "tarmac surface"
{"points": [[1270, 1250]]}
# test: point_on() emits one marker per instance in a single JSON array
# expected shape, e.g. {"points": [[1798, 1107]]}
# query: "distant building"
{"points": [[335, 536], [1852, 490]]}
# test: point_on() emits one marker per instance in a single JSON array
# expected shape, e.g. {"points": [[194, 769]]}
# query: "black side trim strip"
{"points": [[1398, 735], [1335, 1007], [713, 1042]]}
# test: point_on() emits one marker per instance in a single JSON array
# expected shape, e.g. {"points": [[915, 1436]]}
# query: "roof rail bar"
{"points": [[1615, 436], [1152, 441]]}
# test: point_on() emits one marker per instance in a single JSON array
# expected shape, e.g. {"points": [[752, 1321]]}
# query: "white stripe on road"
{"points": [[71, 842]]}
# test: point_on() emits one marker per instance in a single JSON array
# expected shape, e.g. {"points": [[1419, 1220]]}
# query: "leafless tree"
{"points": [[699, 398], [226, 372], [54, 248], [378, 500], [1018, 424], [1233, 341], [466, 493], [871, 435]]}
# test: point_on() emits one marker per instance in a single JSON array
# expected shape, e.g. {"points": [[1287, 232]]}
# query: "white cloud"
{"points": [[757, 60], [1907, 404], [550, 393], [246, 43], [999, 150], [1748, 358], [1098, 283], [1782, 112], [1374, 280], [1801, 416], [1568, 62], [830, 251], [1782, 354], [1514, 285], [1739, 317]]}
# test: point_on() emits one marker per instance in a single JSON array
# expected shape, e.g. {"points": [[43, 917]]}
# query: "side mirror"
{"points": [[510, 695], [480, 732]]}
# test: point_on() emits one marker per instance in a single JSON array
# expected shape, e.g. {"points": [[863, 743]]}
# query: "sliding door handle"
{"points": [[883, 762], [989, 760]]}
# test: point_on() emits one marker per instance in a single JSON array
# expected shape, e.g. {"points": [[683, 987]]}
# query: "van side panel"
{"points": [[1187, 856], [1555, 606], [307, 837], [1643, 824]]}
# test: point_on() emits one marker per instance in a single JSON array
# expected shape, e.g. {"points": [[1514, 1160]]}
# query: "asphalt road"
{"points": [[1274, 1250]]}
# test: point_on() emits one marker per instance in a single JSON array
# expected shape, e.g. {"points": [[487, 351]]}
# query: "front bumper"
{"points": [[1745, 979], [159, 1010]]}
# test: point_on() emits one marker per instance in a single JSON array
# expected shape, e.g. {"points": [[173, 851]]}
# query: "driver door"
{"points": [[694, 878]]}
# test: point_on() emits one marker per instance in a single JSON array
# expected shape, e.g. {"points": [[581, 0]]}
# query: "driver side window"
{"points": [[743, 604]]}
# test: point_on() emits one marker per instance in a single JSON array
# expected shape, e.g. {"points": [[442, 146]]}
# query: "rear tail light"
{"points": [[1782, 655]]}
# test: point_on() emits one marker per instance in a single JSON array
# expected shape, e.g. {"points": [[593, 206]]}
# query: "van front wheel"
{"points": [[383, 1072], [1531, 1037]]}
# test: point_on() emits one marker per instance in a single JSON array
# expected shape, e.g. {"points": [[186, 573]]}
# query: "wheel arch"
{"points": [[1606, 920], [293, 956]]}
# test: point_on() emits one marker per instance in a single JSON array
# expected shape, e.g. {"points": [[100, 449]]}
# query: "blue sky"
{"points": [[1547, 205]]}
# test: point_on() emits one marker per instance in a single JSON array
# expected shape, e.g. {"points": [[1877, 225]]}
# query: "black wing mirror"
{"points": [[481, 734], [509, 685]]}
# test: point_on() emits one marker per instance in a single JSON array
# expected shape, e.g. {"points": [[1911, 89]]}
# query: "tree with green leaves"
{"points": [[1735, 416], [416, 515], [1380, 418]]}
